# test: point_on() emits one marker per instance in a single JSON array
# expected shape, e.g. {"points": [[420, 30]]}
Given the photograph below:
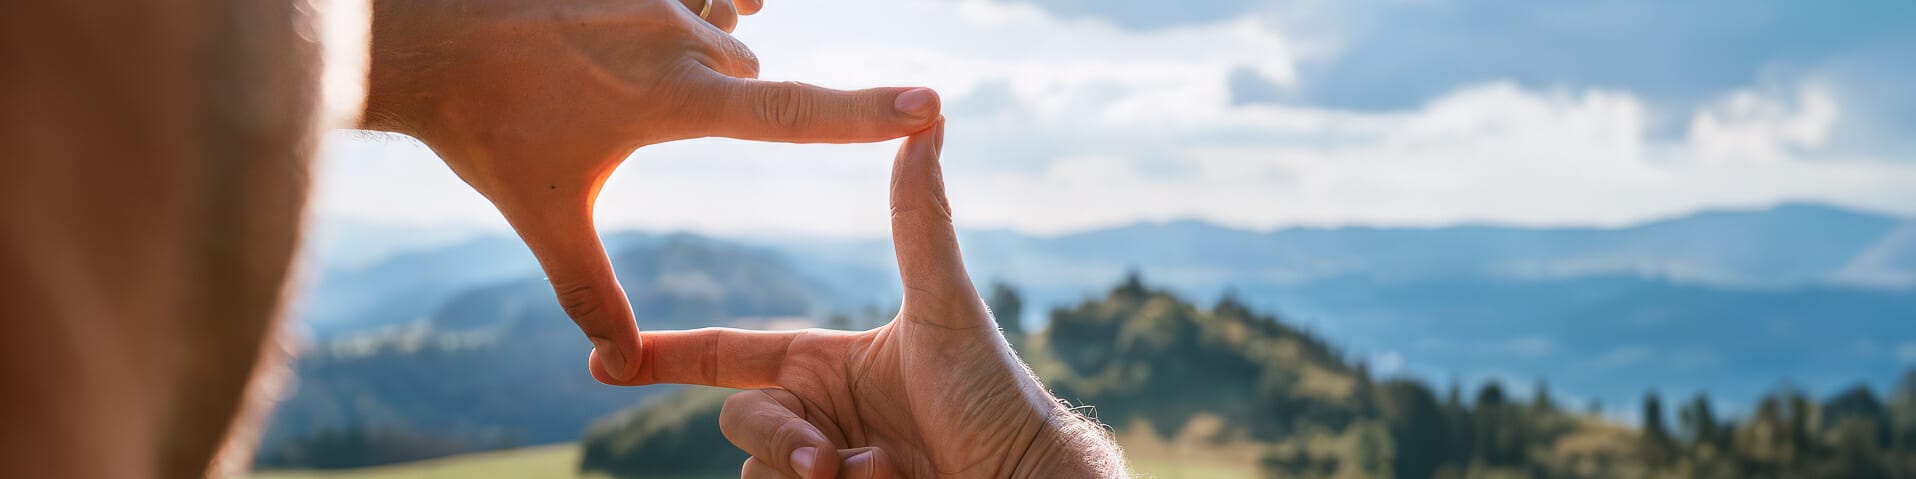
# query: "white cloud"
{"points": [[1753, 127], [1095, 125]]}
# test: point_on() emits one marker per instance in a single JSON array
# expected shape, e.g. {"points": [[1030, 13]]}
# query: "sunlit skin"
{"points": [[156, 175], [534, 104], [937, 392]]}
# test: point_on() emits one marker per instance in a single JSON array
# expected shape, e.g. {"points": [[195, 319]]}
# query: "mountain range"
{"points": [[462, 334]]}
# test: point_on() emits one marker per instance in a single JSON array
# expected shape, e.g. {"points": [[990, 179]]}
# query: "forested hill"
{"points": [[1716, 301], [1150, 362], [499, 364]]}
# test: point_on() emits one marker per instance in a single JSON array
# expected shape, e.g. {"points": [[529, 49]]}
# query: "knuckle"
{"points": [[923, 214], [747, 62], [786, 437], [784, 105], [737, 403], [579, 300]]}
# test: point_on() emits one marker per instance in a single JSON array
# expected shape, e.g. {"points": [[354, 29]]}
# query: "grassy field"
{"points": [[561, 462], [545, 462]]}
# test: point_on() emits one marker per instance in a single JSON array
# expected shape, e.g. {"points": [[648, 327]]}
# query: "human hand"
{"points": [[937, 392], [535, 102]]}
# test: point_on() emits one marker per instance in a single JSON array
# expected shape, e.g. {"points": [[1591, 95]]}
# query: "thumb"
{"points": [[566, 243], [929, 262], [766, 423]]}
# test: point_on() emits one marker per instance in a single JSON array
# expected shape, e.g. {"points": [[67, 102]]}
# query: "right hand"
{"points": [[937, 392], [535, 102]]}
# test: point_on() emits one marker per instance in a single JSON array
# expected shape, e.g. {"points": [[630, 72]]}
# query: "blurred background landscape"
{"points": [[1259, 238]]}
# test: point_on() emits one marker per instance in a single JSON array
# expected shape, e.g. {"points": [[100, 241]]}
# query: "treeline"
{"points": [[1148, 360], [1146, 357], [1855, 434], [1413, 434], [361, 446]]}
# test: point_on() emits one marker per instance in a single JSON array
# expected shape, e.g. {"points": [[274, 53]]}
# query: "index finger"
{"points": [[749, 7], [718, 357], [792, 112], [560, 232]]}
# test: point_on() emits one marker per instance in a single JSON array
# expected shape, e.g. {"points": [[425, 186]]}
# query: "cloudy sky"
{"points": [[1074, 114]]}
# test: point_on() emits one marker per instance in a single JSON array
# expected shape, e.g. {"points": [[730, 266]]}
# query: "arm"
{"points": [[153, 174]]}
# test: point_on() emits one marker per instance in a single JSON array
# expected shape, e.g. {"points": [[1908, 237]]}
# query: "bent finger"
{"points": [[750, 7], [858, 463], [565, 241], [756, 469], [724, 53], [793, 112], [865, 463], [766, 424], [720, 13]]}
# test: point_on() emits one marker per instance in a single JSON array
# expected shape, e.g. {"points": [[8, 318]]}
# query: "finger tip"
{"points": [[805, 461], [920, 105], [870, 464], [607, 364], [929, 141]]}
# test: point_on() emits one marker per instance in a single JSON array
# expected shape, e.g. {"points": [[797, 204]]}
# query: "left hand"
{"points": [[535, 102]]}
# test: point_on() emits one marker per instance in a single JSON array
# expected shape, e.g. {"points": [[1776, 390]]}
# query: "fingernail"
{"points": [[610, 357], [802, 460], [916, 103], [863, 464]]}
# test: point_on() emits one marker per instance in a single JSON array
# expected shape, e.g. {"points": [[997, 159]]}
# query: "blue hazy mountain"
{"points": [[497, 362], [1731, 301], [1727, 301], [1786, 246], [406, 284]]}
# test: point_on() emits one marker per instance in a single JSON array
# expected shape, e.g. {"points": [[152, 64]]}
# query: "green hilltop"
{"points": [[1163, 371]]}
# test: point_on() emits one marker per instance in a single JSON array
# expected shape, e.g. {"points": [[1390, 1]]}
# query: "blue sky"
{"points": [[1075, 114]]}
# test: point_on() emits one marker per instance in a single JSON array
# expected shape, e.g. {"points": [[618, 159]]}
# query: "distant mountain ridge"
{"points": [[499, 364], [1720, 301], [1788, 245], [1182, 382]]}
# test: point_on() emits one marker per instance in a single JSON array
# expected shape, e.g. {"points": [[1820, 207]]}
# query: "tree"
{"points": [[1862, 415], [1656, 437], [1462, 424], [1902, 412], [1698, 421], [1008, 307], [1418, 424], [1499, 428], [1540, 401], [1133, 285]]}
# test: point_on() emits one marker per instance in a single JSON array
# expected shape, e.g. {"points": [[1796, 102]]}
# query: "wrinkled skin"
{"points": [[156, 168], [535, 103], [937, 392]]}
